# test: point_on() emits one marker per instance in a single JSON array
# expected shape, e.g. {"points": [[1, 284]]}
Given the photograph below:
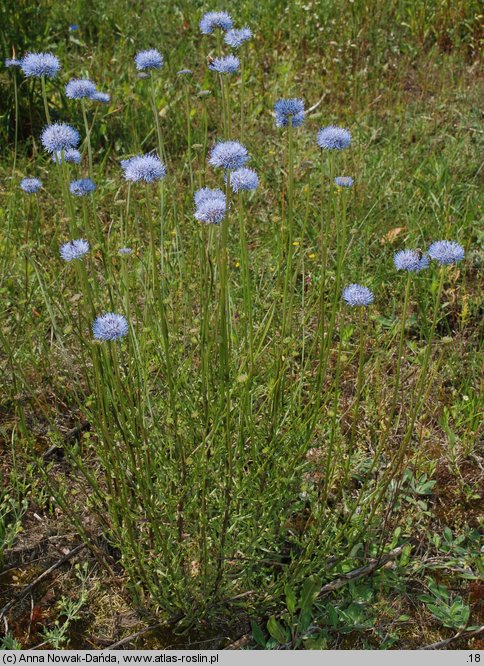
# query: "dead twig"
{"points": [[459, 634], [132, 637], [26, 590], [361, 571], [240, 642], [71, 435]]}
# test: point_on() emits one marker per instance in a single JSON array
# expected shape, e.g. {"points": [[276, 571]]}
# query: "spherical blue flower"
{"points": [[344, 181], [236, 37], [286, 109], [357, 295], [80, 88], [244, 179], [211, 210], [225, 65], [150, 59], [103, 97], [12, 62], [410, 260], [31, 185], [40, 64], [181, 72], [125, 250], [110, 326], [206, 194], [228, 155], [147, 168], [213, 20], [74, 249], [59, 136], [82, 187], [446, 252], [73, 27], [70, 155], [333, 138]]}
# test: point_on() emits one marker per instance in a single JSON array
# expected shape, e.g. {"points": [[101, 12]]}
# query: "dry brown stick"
{"points": [[23, 593], [240, 642], [132, 637], [459, 634], [362, 571], [70, 435]]}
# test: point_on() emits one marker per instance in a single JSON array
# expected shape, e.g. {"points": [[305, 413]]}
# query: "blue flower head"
{"points": [[446, 252], [207, 194], [182, 72], [410, 260], [80, 88], [244, 179], [228, 155], [236, 37], [149, 59], [147, 168], [73, 27], [70, 155], [125, 250], [74, 249], [212, 20], [59, 136], [40, 64], [286, 109], [110, 326], [333, 138], [357, 295], [12, 62], [31, 185], [344, 181], [225, 65], [211, 210], [82, 187], [102, 97]]}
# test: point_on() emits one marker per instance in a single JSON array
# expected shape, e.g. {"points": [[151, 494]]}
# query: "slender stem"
{"points": [[15, 88], [246, 283], [287, 298], [88, 135], [44, 97], [156, 118], [359, 386], [162, 228], [189, 136], [225, 381], [242, 97]]}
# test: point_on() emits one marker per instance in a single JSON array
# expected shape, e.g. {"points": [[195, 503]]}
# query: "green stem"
{"points": [[156, 118], [15, 88], [359, 386], [246, 283], [189, 137], [242, 97], [225, 382], [88, 135], [44, 97]]}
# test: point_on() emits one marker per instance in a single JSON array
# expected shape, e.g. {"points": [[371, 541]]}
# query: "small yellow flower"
{"points": [[312, 256], [237, 264], [295, 243]]}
